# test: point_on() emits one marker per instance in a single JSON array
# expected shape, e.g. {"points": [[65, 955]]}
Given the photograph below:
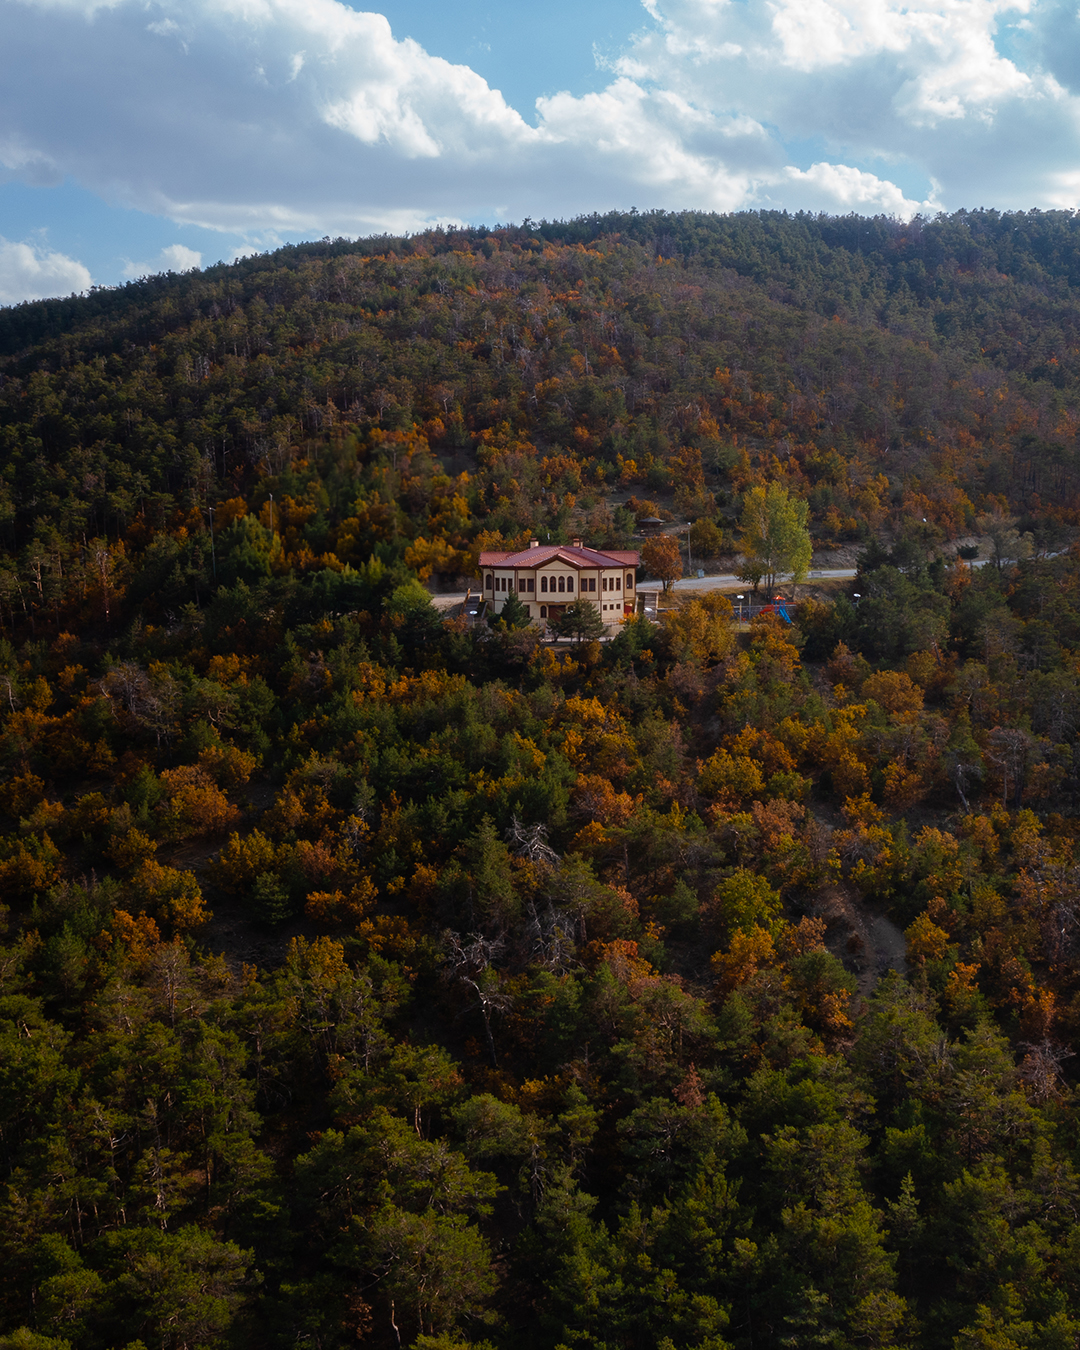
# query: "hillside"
{"points": [[881, 370], [367, 976]]}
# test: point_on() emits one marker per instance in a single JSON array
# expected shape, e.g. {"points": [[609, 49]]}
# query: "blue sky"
{"points": [[137, 135]]}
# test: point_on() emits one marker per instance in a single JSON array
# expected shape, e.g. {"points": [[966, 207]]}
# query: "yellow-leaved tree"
{"points": [[775, 540]]}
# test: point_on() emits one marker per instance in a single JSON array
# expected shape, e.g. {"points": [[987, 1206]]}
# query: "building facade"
{"points": [[546, 578]]}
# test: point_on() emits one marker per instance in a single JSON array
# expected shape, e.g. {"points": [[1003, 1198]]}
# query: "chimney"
{"points": [[576, 543], [534, 543]]}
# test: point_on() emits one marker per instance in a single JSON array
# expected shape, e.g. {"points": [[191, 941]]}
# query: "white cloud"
{"points": [[267, 117], [954, 89], [172, 258], [839, 187], [657, 141], [202, 110], [29, 272]]}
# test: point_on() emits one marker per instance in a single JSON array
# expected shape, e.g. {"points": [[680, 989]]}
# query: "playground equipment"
{"points": [[778, 606]]}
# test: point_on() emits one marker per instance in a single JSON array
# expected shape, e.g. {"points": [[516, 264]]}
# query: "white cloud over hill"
{"points": [[29, 272], [266, 117], [173, 258]]}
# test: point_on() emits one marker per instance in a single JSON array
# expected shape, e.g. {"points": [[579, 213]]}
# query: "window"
{"points": [[592, 583], [543, 585], [521, 585], [532, 585], [605, 583], [629, 581], [487, 582], [569, 583], [562, 584], [543, 611]]}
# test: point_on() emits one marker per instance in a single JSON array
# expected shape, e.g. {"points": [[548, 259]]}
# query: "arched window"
{"points": [[629, 581], [562, 584], [569, 583], [487, 582], [543, 611], [543, 585]]}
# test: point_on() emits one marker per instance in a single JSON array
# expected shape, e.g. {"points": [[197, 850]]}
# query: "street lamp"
{"points": [[741, 598]]}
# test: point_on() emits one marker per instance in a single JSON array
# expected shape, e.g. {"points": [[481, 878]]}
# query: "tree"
{"points": [[435, 1269], [706, 538], [411, 615], [745, 901], [580, 620], [775, 539], [699, 629], [1007, 544], [514, 614], [663, 558], [184, 1288]]}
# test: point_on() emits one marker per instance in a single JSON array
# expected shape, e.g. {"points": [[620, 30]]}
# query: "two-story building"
{"points": [[548, 577]]}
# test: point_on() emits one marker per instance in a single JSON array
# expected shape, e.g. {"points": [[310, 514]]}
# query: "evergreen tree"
{"points": [[580, 621], [514, 614]]}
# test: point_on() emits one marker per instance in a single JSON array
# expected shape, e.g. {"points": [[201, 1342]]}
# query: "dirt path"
{"points": [[861, 935]]}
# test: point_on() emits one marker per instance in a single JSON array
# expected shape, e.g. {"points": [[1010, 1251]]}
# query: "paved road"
{"points": [[728, 582], [724, 582]]}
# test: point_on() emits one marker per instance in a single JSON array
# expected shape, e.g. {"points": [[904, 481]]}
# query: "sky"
{"points": [[138, 136]]}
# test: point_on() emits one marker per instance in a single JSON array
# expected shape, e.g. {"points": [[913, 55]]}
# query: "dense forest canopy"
{"points": [[370, 976]]}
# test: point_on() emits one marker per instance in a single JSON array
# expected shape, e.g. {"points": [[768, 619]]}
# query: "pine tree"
{"points": [[580, 621]]}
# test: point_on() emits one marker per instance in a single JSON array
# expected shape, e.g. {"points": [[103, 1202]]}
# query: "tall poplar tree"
{"points": [[775, 539]]}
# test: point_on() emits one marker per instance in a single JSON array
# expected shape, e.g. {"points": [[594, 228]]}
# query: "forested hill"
{"points": [[939, 361], [370, 977]]}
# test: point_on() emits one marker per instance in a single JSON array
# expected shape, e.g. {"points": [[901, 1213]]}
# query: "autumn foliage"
{"points": [[370, 975]]}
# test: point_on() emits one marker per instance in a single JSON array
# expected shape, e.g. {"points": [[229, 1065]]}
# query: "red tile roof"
{"points": [[574, 557]]}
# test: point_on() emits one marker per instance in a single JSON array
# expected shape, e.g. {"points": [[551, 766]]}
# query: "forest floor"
{"points": [[233, 932], [861, 935]]}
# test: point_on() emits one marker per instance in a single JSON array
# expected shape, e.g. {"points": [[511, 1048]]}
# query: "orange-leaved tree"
{"points": [[663, 558]]}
